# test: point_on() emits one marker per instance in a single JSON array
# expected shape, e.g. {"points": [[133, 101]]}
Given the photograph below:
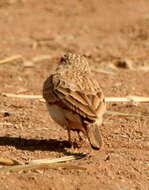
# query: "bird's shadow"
{"points": [[51, 145]]}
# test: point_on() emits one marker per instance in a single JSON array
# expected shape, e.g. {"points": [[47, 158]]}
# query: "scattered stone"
{"points": [[124, 64]]}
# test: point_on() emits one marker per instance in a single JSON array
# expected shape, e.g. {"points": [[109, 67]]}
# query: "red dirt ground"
{"points": [[106, 32]]}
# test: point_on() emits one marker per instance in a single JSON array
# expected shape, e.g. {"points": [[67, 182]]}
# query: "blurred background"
{"points": [[102, 29]]}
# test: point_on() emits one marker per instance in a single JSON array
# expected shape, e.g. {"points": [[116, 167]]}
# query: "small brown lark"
{"points": [[74, 98]]}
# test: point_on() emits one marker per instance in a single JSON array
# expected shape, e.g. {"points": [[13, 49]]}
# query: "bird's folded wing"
{"points": [[87, 105]]}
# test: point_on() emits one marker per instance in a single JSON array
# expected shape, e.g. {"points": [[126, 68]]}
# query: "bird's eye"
{"points": [[62, 59]]}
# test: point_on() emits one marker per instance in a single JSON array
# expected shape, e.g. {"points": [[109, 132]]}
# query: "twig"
{"points": [[10, 59]]}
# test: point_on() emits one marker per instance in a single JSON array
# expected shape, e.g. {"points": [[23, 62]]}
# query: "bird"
{"points": [[75, 99]]}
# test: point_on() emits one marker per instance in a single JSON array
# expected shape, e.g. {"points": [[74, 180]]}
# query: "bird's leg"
{"points": [[69, 135], [79, 136]]}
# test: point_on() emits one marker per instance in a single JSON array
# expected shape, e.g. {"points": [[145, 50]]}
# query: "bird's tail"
{"points": [[94, 136]]}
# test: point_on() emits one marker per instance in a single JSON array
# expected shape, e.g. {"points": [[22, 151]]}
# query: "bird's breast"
{"points": [[65, 117], [57, 114]]}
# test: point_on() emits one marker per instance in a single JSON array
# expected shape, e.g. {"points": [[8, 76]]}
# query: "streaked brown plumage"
{"points": [[74, 99]]}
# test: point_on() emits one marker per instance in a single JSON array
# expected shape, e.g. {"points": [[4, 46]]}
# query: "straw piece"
{"points": [[127, 99], [97, 70], [133, 99], [21, 96], [8, 162], [45, 163], [39, 166], [125, 114], [41, 58], [56, 160], [10, 59], [28, 64]]}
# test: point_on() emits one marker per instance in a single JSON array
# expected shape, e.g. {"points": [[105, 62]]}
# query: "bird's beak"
{"points": [[94, 136]]}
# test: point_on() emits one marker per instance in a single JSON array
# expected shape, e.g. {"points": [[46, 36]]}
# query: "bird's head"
{"points": [[74, 62]]}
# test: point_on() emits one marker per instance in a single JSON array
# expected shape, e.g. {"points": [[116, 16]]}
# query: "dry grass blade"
{"points": [[13, 58], [10, 59], [28, 64], [125, 114], [39, 166], [56, 160], [45, 163], [127, 99], [134, 99], [8, 162], [21, 96], [41, 58], [97, 70]]}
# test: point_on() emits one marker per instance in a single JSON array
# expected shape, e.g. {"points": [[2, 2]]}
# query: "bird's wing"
{"points": [[88, 105]]}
